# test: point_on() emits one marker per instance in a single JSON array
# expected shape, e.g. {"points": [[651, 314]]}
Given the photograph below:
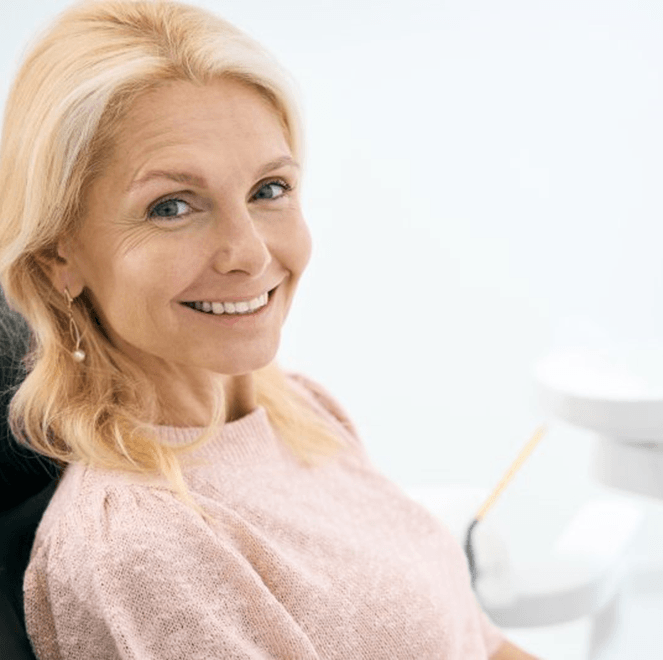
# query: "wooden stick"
{"points": [[520, 459]]}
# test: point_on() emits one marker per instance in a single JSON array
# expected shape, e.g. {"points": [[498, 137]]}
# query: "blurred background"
{"points": [[482, 186]]}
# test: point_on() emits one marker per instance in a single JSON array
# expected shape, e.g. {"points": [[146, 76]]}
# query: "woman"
{"points": [[212, 505]]}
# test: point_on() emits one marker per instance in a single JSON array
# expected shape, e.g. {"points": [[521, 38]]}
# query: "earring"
{"points": [[78, 353]]}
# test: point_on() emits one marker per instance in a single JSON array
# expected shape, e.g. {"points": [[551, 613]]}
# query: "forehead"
{"points": [[224, 117]]}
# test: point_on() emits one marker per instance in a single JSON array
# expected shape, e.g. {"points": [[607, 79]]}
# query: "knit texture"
{"points": [[331, 562]]}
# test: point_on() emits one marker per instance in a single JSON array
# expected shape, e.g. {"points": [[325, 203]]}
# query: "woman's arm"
{"points": [[510, 652]]}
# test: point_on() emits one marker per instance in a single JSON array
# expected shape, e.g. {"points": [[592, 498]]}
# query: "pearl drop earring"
{"points": [[78, 353]]}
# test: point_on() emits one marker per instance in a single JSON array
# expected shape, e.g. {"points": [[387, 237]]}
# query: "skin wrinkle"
{"points": [[198, 181]]}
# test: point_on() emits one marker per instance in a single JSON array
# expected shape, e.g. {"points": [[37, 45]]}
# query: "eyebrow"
{"points": [[199, 181]]}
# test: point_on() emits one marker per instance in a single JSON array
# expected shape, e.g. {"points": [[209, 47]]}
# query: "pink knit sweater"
{"points": [[327, 562]]}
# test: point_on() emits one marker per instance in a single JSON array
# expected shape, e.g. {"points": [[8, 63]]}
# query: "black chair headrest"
{"points": [[27, 483]]}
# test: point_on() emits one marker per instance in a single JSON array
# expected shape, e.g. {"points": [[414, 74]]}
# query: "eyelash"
{"points": [[281, 182]]}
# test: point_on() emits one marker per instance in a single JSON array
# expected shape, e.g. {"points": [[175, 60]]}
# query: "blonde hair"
{"points": [[61, 116]]}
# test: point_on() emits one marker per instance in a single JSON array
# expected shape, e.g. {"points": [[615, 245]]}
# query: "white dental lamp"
{"points": [[617, 396]]}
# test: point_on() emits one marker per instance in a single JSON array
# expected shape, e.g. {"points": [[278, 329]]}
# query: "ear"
{"points": [[60, 265]]}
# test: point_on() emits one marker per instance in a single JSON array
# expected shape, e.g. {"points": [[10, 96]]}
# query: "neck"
{"points": [[194, 405], [240, 396]]}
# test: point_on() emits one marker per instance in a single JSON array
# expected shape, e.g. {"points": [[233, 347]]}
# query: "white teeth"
{"points": [[232, 308]]}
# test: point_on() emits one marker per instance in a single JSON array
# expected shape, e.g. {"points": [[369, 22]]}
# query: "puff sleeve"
{"points": [[140, 578]]}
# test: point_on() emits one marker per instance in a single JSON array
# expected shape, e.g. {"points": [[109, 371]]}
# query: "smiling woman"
{"points": [[211, 504], [87, 104]]}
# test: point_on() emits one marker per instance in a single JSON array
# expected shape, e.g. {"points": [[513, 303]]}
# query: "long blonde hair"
{"points": [[61, 116]]}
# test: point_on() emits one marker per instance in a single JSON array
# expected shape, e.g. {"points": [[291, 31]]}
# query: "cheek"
{"points": [[299, 247], [136, 288]]}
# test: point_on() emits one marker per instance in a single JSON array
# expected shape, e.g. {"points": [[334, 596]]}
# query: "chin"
{"points": [[244, 364]]}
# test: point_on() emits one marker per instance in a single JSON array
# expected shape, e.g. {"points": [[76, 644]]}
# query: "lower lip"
{"points": [[231, 319]]}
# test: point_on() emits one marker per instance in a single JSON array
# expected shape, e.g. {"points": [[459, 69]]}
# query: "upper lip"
{"points": [[232, 299]]}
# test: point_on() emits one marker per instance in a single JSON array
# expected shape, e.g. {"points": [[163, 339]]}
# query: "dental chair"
{"points": [[27, 483], [17, 532]]}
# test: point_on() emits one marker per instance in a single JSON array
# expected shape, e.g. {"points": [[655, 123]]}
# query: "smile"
{"points": [[239, 308]]}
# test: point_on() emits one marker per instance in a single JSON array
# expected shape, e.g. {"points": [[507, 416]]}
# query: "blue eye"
{"points": [[270, 190], [169, 208]]}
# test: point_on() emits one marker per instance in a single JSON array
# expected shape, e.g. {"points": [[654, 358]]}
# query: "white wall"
{"points": [[483, 184]]}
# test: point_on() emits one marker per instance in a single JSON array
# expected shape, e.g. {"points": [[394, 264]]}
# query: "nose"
{"points": [[237, 243]]}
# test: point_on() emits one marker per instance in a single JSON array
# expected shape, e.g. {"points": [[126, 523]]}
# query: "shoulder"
{"points": [[80, 533], [104, 533], [95, 514], [108, 548], [322, 398]]}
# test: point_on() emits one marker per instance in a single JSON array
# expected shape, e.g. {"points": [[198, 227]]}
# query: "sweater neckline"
{"points": [[249, 438]]}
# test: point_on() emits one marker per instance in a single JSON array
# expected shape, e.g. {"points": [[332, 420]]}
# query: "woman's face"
{"points": [[199, 206]]}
